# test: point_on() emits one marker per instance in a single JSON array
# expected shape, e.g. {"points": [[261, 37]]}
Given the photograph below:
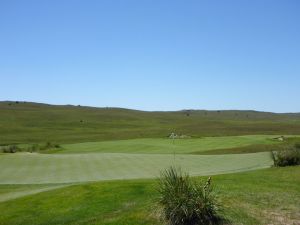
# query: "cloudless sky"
{"points": [[152, 54]]}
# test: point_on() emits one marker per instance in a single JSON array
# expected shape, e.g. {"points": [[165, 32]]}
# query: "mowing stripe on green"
{"points": [[8, 192], [169, 146], [32, 168]]}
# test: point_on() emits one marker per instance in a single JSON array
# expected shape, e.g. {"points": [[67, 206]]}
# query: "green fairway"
{"points": [[270, 196], [30, 168], [168, 146]]}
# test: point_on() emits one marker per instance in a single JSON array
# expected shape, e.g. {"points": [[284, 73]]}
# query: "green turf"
{"points": [[32, 185], [256, 147], [270, 196], [168, 146], [30, 168], [38, 123]]}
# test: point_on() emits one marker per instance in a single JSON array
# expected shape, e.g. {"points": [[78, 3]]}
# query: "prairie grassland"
{"points": [[38, 123]]}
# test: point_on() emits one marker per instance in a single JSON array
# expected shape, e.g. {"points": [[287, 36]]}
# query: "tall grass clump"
{"points": [[290, 156], [185, 202]]}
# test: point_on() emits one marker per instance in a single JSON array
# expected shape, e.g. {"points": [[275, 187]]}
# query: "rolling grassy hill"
{"points": [[24, 122]]}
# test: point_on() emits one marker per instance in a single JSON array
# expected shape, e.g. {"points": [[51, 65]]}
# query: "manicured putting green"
{"points": [[168, 146], [32, 168]]}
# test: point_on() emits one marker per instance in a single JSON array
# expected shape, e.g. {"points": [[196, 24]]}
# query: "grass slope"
{"points": [[31, 168], [250, 198], [168, 146], [31, 123]]}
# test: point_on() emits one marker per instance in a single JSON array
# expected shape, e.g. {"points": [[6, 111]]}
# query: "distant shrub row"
{"points": [[46, 146], [31, 148], [290, 156], [10, 149]]}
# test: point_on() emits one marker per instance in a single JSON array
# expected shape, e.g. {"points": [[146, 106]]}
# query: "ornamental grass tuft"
{"points": [[186, 202]]}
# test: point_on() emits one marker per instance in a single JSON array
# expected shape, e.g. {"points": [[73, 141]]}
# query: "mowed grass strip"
{"points": [[169, 146], [12, 191], [32, 168]]}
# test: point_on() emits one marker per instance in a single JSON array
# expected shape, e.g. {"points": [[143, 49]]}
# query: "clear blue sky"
{"points": [[152, 55]]}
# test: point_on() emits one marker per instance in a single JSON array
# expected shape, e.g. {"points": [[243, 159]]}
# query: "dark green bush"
{"points": [[185, 202], [290, 156], [31, 148], [56, 146]]}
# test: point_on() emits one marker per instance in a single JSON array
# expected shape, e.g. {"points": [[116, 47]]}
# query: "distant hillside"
{"points": [[24, 122]]}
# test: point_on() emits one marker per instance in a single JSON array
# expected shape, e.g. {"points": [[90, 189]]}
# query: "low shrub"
{"points": [[185, 202], [10, 149], [49, 145], [33, 148], [290, 156], [56, 146]]}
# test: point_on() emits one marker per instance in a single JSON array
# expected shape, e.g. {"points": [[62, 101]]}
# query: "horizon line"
{"points": [[142, 110]]}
